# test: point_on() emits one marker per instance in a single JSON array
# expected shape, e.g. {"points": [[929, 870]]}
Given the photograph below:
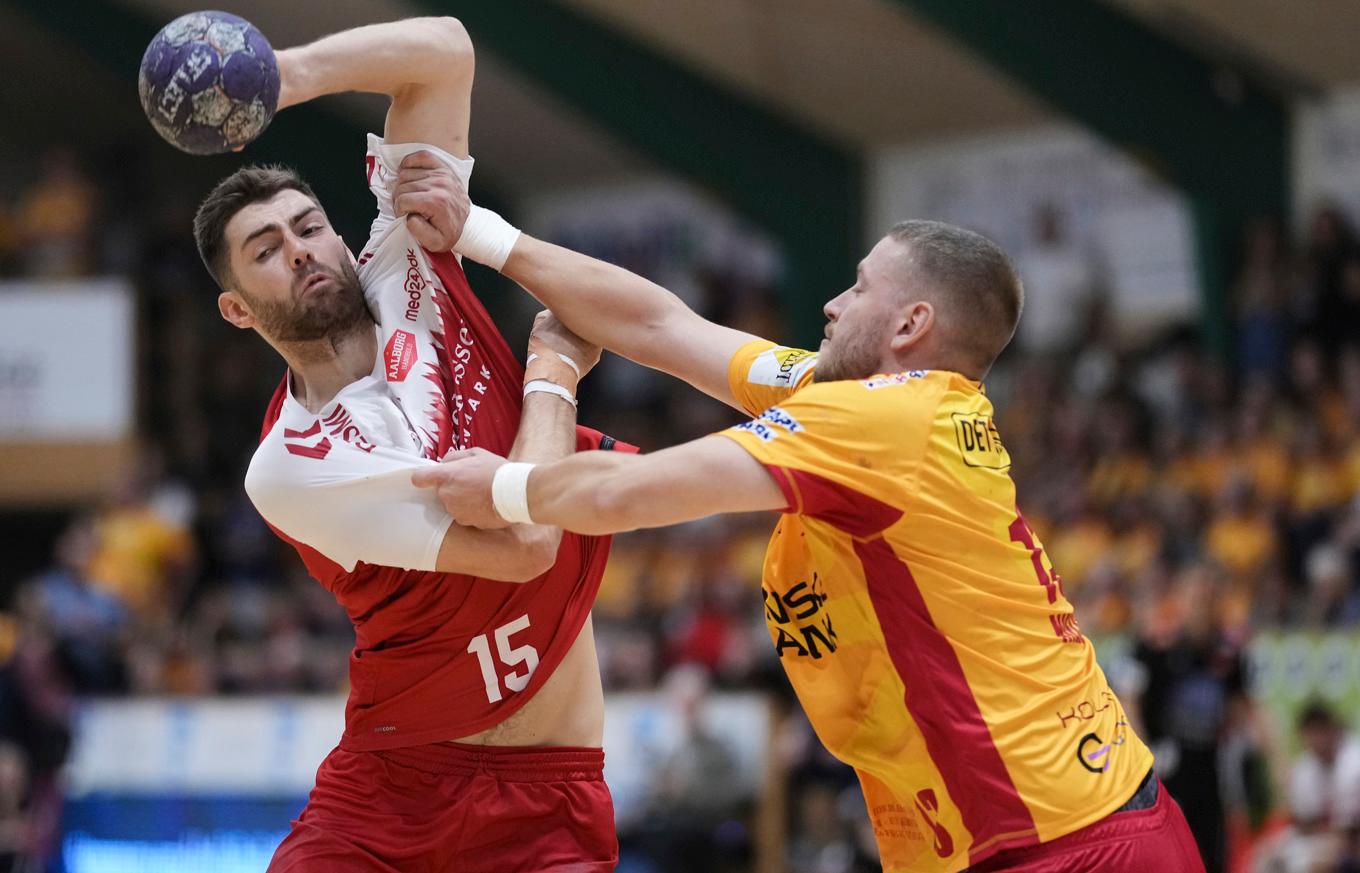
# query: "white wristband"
{"points": [[510, 492], [487, 238], [543, 386], [576, 368]]}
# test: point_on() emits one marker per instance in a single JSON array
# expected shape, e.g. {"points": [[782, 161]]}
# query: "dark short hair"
{"points": [[247, 185], [1316, 714], [975, 280]]}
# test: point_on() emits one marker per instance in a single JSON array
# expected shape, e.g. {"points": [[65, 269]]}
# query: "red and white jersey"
{"points": [[437, 655]]}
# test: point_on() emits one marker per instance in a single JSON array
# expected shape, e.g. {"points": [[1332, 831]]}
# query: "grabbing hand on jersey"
{"points": [[432, 200], [462, 481]]}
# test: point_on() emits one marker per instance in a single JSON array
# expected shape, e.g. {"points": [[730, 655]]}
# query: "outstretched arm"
{"points": [[604, 304], [547, 432], [424, 64], [353, 505], [628, 315], [606, 492]]}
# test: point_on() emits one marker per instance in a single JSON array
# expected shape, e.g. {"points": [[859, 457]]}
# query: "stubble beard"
{"points": [[333, 315], [849, 356]]}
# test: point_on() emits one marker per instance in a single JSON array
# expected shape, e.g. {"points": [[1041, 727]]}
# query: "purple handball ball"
{"points": [[209, 82]]}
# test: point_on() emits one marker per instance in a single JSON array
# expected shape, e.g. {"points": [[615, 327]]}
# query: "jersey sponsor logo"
{"points": [[979, 443], [314, 450], [400, 355], [341, 424], [890, 379], [777, 416], [1087, 710], [764, 432], [799, 619], [1095, 754], [781, 367], [765, 426], [1065, 627], [929, 807], [415, 286]]}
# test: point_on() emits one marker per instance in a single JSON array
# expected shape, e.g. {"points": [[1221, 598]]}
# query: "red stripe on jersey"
{"points": [[942, 704], [818, 497], [318, 451], [310, 432]]}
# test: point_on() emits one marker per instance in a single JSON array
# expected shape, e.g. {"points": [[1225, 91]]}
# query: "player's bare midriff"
{"points": [[567, 711]]}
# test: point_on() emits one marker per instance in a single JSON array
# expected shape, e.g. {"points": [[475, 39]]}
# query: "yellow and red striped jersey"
{"points": [[918, 618]]}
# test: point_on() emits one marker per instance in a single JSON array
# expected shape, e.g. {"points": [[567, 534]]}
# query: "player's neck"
{"points": [[321, 368]]}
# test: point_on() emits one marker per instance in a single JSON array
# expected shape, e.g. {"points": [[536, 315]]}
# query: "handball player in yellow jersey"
{"points": [[915, 612]]}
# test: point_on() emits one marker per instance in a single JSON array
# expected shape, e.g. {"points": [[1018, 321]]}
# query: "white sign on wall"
{"points": [[1138, 228], [66, 360], [271, 746], [1327, 156]]}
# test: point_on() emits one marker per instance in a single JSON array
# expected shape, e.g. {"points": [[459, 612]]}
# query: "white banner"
{"points": [[66, 360], [271, 746], [1327, 156], [1136, 228]]}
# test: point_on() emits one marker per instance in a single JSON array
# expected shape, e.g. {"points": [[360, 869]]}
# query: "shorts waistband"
{"points": [[507, 763], [1144, 798]]}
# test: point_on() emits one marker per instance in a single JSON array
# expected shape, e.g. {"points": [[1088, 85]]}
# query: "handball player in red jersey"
{"points": [[475, 716]]}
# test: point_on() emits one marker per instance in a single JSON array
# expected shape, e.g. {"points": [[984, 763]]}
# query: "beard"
{"points": [[851, 355], [315, 317]]}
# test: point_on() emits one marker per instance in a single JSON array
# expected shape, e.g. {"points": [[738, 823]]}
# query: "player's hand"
{"points": [[462, 482], [550, 333], [432, 200]]}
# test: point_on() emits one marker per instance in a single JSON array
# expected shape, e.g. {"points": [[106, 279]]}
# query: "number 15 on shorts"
{"points": [[510, 656]]}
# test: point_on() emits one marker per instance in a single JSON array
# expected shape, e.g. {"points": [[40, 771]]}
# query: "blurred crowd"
{"points": [[1187, 499]]}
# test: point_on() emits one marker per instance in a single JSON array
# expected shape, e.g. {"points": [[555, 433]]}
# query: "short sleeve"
{"points": [[349, 504], [382, 162], [762, 373], [842, 452]]}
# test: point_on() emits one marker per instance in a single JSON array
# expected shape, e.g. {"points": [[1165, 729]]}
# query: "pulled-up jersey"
{"points": [[437, 655]]}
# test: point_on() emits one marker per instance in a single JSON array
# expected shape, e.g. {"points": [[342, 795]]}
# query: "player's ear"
{"points": [[913, 323], [234, 310]]}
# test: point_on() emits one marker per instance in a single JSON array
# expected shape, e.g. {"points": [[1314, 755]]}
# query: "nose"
{"points": [[299, 254], [833, 307]]}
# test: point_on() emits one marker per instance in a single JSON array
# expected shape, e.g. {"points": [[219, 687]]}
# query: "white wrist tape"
{"points": [[487, 238], [510, 492], [543, 386], [576, 368]]}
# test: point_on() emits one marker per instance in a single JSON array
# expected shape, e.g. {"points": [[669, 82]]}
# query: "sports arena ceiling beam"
{"points": [[800, 187], [1206, 128]]}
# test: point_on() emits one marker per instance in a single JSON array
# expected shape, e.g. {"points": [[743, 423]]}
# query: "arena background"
{"points": [[1178, 181]]}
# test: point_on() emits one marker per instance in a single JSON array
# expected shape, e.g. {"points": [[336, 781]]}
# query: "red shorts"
{"points": [[455, 808], [1152, 840]]}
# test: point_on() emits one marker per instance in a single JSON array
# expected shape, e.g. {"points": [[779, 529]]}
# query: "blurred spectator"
{"points": [[1241, 537], [14, 827], [87, 624], [1323, 309], [54, 220], [1261, 299], [35, 718], [1192, 691], [697, 793], [1332, 600], [1323, 798], [1062, 288], [144, 550]]}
